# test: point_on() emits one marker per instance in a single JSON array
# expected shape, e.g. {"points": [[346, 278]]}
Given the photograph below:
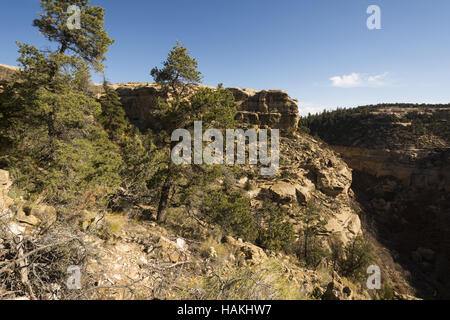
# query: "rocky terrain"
{"points": [[125, 256], [128, 259], [7, 72], [400, 157]]}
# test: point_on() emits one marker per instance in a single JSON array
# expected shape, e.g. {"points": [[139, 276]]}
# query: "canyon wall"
{"points": [[272, 108], [420, 171]]}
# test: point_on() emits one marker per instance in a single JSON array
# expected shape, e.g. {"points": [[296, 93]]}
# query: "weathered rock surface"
{"points": [[401, 164], [5, 183], [273, 108], [7, 72], [249, 251]]}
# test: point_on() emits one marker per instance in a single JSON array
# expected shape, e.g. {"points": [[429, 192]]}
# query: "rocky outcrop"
{"points": [[269, 108], [248, 251], [415, 168], [273, 108], [5, 183], [311, 175], [7, 72]]}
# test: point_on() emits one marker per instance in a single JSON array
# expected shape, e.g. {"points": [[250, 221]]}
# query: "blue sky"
{"points": [[319, 51]]}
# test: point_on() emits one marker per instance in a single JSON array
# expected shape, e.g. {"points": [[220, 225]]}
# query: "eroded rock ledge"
{"points": [[272, 108]]}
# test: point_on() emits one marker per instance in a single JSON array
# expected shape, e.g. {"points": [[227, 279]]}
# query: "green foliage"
{"points": [[231, 211], [55, 145], [357, 256], [90, 42], [215, 107], [274, 232], [178, 71], [310, 248], [386, 292], [113, 117]]}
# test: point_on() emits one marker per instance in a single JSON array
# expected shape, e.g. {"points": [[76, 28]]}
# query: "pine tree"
{"points": [[113, 117], [178, 74], [212, 106], [57, 147], [313, 226]]}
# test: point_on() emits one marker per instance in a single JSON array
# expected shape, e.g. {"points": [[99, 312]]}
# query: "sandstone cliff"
{"points": [[7, 72], [400, 156]]}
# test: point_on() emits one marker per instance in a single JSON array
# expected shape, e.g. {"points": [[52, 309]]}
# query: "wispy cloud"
{"points": [[359, 80]]}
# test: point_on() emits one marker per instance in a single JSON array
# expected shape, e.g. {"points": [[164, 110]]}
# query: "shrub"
{"points": [[386, 292], [231, 211], [309, 247], [357, 256], [274, 233]]}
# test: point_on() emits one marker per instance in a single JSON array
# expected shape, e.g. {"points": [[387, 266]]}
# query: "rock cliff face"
{"points": [[312, 174], [7, 72], [400, 156], [417, 168], [271, 108]]}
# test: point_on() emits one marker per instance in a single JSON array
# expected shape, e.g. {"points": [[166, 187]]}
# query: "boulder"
{"points": [[331, 180], [285, 192], [5, 183], [248, 251], [27, 219], [303, 194], [331, 293], [344, 224], [170, 250], [337, 291]]}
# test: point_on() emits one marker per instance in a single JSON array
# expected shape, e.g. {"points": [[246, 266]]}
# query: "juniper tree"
{"points": [[356, 257], [178, 77], [179, 72], [49, 117], [112, 117], [90, 42], [313, 226]]}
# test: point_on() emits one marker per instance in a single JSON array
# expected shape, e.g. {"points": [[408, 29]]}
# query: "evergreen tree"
{"points": [[274, 232], [313, 225], [179, 72], [212, 106], [90, 42], [357, 256], [112, 117], [47, 115]]}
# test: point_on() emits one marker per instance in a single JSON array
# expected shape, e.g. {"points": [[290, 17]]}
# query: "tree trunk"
{"points": [[164, 199], [165, 190]]}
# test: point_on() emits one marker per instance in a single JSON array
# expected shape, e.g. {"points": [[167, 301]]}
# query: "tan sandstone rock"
{"points": [[249, 251]]}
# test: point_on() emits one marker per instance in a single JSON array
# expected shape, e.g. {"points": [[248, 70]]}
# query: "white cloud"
{"points": [[359, 80], [313, 108]]}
